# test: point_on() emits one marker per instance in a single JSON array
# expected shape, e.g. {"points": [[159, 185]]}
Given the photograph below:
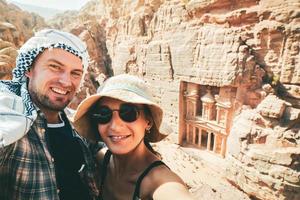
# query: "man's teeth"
{"points": [[59, 91]]}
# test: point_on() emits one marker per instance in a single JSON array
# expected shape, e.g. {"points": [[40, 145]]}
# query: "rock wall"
{"points": [[264, 150], [8, 54], [16, 26], [208, 42], [250, 45], [99, 63]]}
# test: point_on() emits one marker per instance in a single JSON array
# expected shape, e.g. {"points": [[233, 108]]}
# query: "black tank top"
{"points": [[136, 193]]}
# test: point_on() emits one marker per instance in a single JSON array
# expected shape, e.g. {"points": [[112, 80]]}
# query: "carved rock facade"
{"points": [[226, 71], [247, 52]]}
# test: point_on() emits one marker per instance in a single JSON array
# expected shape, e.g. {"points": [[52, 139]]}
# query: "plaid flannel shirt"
{"points": [[27, 169]]}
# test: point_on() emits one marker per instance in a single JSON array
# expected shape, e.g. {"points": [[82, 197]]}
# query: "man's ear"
{"points": [[28, 73]]}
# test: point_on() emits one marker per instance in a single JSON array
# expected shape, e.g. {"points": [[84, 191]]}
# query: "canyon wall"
{"points": [[249, 45], [247, 51], [16, 26]]}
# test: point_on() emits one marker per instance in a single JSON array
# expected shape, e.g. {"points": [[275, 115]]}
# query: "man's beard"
{"points": [[43, 101]]}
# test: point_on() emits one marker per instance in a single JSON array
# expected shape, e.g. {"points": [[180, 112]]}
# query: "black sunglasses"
{"points": [[127, 112]]}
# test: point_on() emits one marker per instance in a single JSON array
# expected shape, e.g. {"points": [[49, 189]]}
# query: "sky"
{"points": [[57, 4]]}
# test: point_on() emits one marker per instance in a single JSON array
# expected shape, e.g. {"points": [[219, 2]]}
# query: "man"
{"points": [[41, 156]]}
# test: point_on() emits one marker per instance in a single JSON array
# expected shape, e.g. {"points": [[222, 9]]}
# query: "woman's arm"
{"points": [[161, 183], [172, 190]]}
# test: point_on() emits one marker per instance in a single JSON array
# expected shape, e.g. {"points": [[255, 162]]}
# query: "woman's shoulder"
{"points": [[161, 174], [163, 183]]}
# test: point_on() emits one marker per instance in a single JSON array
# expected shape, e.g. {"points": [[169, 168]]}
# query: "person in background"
{"points": [[124, 115], [41, 155]]}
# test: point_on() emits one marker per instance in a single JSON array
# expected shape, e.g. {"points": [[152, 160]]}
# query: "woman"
{"points": [[125, 117]]}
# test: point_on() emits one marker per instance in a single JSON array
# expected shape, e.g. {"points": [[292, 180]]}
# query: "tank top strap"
{"points": [[136, 193], [104, 166]]}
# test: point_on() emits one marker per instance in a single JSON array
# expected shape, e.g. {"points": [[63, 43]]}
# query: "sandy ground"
{"points": [[202, 171]]}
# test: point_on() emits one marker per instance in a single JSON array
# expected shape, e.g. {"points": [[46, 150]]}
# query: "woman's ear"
{"points": [[149, 124]]}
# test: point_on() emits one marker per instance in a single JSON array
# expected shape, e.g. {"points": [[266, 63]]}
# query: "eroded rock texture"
{"points": [[99, 65], [16, 26], [247, 50], [264, 150], [252, 46], [8, 54]]}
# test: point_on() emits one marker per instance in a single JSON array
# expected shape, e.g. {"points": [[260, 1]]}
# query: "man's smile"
{"points": [[59, 90]]}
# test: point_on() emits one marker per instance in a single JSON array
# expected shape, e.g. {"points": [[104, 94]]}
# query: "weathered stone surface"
{"points": [[6, 25], [292, 90], [16, 25], [251, 46], [99, 65], [8, 54], [272, 107], [269, 159], [291, 114], [278, 183], [219, 43], [68, 18]]}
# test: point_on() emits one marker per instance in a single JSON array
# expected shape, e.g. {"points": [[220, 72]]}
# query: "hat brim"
{"points": [[85, 128]]}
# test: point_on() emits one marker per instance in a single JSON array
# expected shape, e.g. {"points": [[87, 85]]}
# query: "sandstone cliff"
{"points": [[246, 52], [249, 46], [16, 26]]}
